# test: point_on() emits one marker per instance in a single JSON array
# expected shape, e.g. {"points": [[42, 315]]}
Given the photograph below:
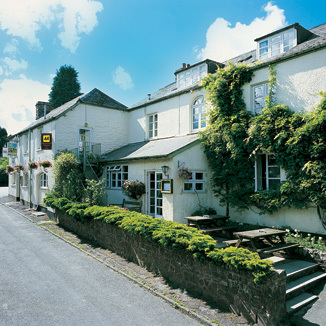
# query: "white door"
{"points": [[84, 141], [155, 199]]}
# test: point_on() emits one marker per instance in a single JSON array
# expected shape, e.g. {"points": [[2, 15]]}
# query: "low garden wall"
{"points": [[224, 286]]}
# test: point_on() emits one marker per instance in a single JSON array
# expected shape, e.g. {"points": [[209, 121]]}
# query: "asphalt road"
{"points": [[44, 281]]}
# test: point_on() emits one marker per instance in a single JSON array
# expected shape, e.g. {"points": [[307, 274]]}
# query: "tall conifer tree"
{"points": [[65, 86]]}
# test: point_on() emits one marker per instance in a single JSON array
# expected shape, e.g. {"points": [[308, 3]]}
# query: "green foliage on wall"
{"points": [[234, 137], [224, 139], [168, 234], [68, 176]]}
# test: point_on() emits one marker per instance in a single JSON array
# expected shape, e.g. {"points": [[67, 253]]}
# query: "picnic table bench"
{"points": [[209, 224], [264, 236]]}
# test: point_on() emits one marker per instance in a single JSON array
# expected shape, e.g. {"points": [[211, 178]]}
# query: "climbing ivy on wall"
{"points": [[234, 136]]}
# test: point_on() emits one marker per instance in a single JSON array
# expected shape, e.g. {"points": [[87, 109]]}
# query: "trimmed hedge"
{"points": [[169, 234]]}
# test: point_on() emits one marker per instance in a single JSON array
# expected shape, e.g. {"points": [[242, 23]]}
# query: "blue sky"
{"points": [[126, 48]]}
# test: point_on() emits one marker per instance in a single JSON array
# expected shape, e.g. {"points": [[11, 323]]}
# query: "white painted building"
{"points": [[162, 129], [81, 124]]}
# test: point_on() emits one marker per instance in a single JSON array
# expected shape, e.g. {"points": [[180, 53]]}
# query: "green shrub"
{"points": [[168, 234]]}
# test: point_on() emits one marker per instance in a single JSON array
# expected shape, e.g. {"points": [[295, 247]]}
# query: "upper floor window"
{"points": [[267, 172], [191, 76], [26, 143], [44, 181], [116, 176], [259, 94], [276, 44], [196, 183], [198, 113], [39, 138], [152, 125]]}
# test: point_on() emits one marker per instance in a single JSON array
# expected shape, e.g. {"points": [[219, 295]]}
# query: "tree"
{"points": [[65, 86], [3, 138]]}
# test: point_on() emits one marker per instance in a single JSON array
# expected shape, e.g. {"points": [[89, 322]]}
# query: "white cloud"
{"points": [[11, 47], [13, 64], [14, 115], [224, 42], [72, 16], [122, 78]]}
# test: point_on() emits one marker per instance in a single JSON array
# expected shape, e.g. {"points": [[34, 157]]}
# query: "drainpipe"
{"points": [[30, 170]]}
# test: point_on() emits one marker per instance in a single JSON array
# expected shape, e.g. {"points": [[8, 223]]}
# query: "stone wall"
{"points": [[225, 287]]}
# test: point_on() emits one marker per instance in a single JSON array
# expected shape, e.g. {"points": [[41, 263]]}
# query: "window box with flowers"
{"points": [[19, 167], [9, 169], [133, 188], [45, 164], [33, 165]]}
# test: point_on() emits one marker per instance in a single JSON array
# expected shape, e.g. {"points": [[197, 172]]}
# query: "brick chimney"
{"points": [[41, 107]]}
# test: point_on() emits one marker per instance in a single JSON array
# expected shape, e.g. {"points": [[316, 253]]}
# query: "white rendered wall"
{"points": [[298, 81], [109, 127], [174, 117]]}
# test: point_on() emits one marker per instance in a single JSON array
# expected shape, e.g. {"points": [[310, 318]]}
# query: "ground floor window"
{"points": [[196, 183], [267, 172], [44, 180], [116, 175]]}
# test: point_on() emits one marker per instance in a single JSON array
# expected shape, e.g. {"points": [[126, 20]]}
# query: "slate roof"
{"points": [[94, 97], [156, 148], [317, 40]]}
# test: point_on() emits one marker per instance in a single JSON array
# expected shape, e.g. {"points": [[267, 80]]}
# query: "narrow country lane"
{"points": [[44, 281]]}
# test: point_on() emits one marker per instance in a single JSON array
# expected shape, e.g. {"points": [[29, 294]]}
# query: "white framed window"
{"points": [[259, 94], [191, 76], [277, 44], [267, 172], [152, 125], [26, 143], [198, 110], [116, 176], [25, 179], [39, 138], [196, 182], [13, 178], [44, 180]]}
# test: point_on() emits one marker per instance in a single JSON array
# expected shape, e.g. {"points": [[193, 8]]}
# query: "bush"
{"points": [[169, 234], [68, 177], [94, 191]]}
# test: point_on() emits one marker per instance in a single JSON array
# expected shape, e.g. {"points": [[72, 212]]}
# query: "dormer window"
{"points": [[191, 76], [277, 43]]}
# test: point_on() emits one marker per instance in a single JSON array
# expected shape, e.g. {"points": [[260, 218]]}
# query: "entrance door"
{"points": [[155, 199], [84, 141]]}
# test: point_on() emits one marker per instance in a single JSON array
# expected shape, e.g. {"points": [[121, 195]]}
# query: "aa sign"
{"points": [[46, 141]]}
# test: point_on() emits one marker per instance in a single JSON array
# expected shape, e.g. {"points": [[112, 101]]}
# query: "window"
{"points": [[191, 76], [198, 113], [259, 94], [267, 172], [152, 125], [26, 143], [276, 44], [196, 183], [25, 179], [39, 138], [116, 175], [44, 180]]}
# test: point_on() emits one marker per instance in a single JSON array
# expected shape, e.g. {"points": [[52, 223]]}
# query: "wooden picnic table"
{"points": [[209, 223], [266, 235]]}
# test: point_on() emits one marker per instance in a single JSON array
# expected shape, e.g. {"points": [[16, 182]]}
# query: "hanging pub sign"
{"points": [[46, 142], [12, 149]]}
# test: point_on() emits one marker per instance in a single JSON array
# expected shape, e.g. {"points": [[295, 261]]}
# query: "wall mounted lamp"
{"points": [[165, 169]]}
